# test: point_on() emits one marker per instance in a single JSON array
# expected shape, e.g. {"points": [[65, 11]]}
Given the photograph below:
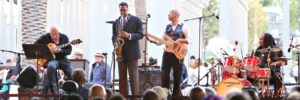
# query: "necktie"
{"points": [[124, 22]]}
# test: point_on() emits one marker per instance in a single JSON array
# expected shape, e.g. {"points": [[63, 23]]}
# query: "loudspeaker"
{"points": [[81, 63], [149, 79], [27, 78]]}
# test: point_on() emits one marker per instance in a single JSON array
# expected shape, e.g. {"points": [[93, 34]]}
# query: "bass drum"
{"points": [[229, 83]]}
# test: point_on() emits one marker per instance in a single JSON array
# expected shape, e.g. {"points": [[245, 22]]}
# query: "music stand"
{"points": [[37, 51]]}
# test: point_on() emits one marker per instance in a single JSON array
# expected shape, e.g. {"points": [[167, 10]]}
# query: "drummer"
{"points": [[266, 44]]}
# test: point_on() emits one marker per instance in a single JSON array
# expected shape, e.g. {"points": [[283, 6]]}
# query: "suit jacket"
{"points": [[131, 48]]}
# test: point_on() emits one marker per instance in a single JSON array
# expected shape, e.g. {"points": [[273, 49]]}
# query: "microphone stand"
{"points": [[199, 38], [114, 67], [18, 63], [105, 68], [212, 68]]}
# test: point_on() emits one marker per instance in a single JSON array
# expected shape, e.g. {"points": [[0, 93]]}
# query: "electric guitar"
{"points": [[175, 47]]}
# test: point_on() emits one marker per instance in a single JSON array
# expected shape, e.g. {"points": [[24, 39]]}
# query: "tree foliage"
{"points": [[257, 23], [211, 25]]}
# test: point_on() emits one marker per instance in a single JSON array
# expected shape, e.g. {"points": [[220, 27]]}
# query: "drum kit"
{"points": [[234, 73]]}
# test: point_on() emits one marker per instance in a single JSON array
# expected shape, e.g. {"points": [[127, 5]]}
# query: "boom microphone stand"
{"points": [[199, 38]]}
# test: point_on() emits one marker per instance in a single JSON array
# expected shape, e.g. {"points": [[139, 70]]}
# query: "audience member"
{"points": [[197, 93], [150, 95], [210, 91], [236, 94], [117, 97], [97, 91], [78, 76], [162, 92]]}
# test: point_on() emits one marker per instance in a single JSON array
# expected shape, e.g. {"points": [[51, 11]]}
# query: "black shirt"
{"points": [[263, 56], [46, 39]]}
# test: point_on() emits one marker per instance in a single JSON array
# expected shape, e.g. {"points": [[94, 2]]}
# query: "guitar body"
{"points": [[51, 46], [177, 48]]}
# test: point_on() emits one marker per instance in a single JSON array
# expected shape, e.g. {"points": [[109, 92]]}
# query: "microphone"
{"points": [[104, 53], [224, 52], [291, 46], [217, 17], [252, 53], [148, 15]]}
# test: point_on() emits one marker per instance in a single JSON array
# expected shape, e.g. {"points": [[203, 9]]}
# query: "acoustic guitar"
{"points": [[51, 46]]}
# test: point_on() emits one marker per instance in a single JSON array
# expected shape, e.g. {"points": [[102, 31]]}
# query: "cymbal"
{"points": [[282, 58], [268, 49]]}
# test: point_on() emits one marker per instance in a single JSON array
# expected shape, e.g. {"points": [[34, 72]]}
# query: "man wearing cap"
{"points": [[97, 73], [131, 33]]}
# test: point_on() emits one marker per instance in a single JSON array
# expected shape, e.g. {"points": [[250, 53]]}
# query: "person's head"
{"points": [[54, 33], [236, 94], [78, 76], [109, 92], [253, 95], [123, 6], [71, 97], [162, 92], [99, 57], [209, 90], [150, 95], [97, 91], [78, 54], [197, 93], [293, 96], [296, 88], [173, 15], [266, 40], [116, 97]]}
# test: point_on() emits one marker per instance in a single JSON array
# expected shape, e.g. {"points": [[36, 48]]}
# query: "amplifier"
{"points": [[148, 79]]}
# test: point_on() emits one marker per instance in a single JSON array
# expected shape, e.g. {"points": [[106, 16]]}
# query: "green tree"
{"points": [[257, 23], [294, 15], [211, 25]]}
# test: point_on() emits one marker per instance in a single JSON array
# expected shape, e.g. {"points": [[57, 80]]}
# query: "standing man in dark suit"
{"points": [[129, 28], [60, 60]]}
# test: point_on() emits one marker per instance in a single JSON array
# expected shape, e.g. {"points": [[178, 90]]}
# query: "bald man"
{"points": [[60, 61], [175, 30]]}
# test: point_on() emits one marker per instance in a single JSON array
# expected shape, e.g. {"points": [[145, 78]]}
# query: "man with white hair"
{"points": [[98, 73], [60, 61]]}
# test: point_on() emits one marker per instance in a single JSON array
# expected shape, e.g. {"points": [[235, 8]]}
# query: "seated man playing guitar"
{"points": [[176, 39], [60, 60]]}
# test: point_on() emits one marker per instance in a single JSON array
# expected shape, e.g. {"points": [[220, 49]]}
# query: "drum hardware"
{"points": [[267, 50], [206, 74]]}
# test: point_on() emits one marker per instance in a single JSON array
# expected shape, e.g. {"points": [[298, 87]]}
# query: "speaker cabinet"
{"points": [[148, 79], [81, 63]]}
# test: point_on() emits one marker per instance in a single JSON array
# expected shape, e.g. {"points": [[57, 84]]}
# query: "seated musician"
{"points": [[60, 60], [267, 41], [98, 75]]}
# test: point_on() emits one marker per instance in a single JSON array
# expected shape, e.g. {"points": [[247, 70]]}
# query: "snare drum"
{"points": [[263, 73], [232, 64], [230, 83], [251, 63]]}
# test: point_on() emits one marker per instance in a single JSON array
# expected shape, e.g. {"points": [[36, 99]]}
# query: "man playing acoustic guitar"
{"points": [[60, 60]]}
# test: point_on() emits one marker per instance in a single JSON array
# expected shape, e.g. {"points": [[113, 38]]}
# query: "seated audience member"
{"points": [[293, 96], [197, 93], [78, 54], [212, 97], [98, 75], [78, 76], [150, 95], [296, 88], [117, 97], [162, 92], [210, 91], [253, 95], [236, 94], [71, 97], [109, 92], [97, 92]]}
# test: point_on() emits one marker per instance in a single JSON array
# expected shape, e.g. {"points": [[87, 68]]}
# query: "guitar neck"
{"points": [[63, 45], [158, 39]]}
